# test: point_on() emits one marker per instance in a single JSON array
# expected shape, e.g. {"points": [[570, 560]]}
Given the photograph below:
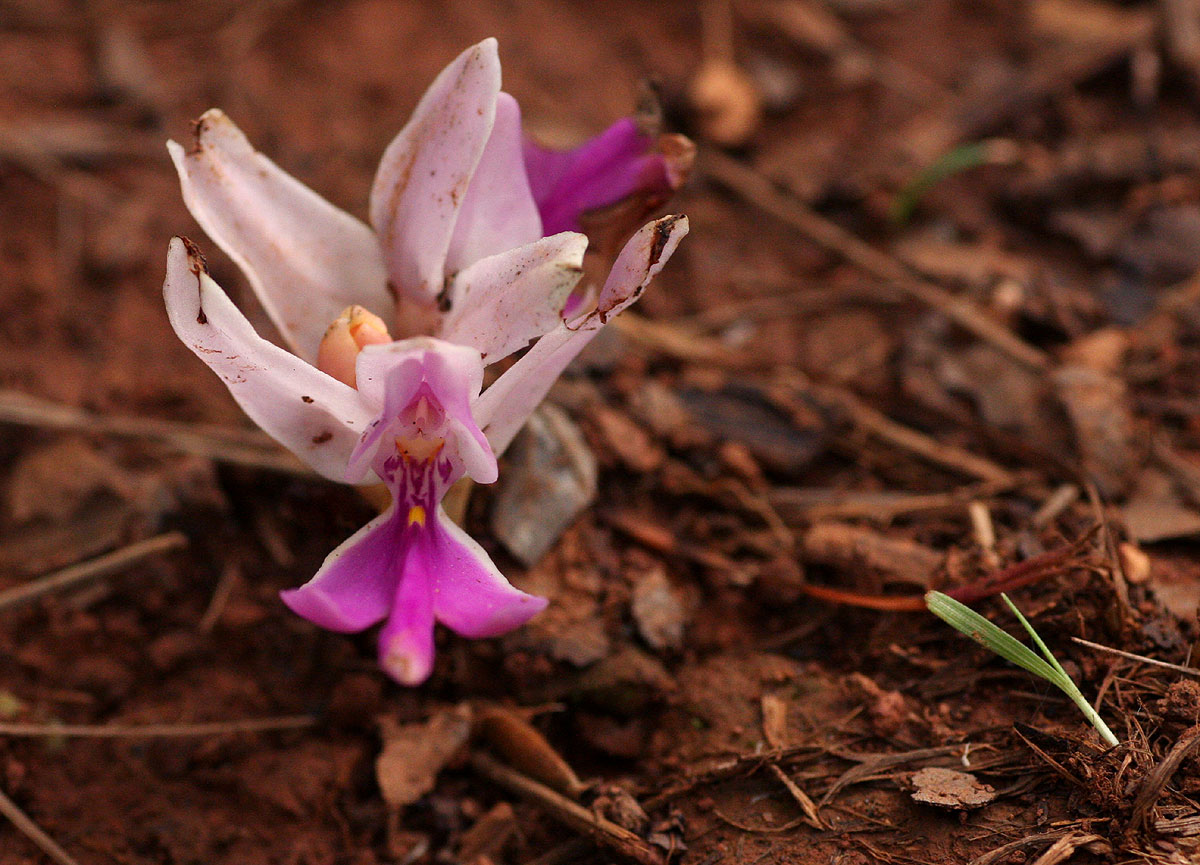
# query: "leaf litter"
{"points": [[814, 401]]}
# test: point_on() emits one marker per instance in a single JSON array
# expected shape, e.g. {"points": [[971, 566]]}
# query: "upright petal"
{"points": [[423, 178], [471, 596], [620, 161], [389, 375], [498, 212], [315, 416], [504, 407], [501, 303], [356, 585], [306, 259]]}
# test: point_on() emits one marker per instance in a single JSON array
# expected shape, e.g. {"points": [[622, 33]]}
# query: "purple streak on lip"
{"points": [[610, 167]]}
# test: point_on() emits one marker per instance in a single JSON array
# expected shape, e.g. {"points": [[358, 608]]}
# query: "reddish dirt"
{"points": [[742, 433]]}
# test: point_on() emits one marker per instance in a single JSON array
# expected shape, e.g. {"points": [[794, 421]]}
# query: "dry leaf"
{"points": [[414, 754], [524, 748], [948, 788]]}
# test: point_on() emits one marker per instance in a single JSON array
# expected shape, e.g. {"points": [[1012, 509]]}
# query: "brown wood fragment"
{"points": [[855, 548], [1156, 779], [603, 831]]}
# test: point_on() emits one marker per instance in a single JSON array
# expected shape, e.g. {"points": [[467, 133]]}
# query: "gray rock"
{"points": [[550, 478]]}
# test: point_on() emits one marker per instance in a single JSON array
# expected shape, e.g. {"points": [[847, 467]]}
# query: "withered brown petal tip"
{"points": [[195, 256], [662, 233]]}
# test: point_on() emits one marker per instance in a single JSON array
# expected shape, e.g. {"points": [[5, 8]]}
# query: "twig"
{"points": [[602, 831], [880, 425], [759, 191], [33, 832], [230, 576], [1156, 779], [1002, 852], [101, 566], [1141, 659], [1004, 580], [985, 532], [811, 817], [237, 447], [881, 762], [813, 504], [159, 731], [1058, 501]]}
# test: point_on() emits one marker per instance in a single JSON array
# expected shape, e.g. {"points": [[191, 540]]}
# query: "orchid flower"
{"points": [[456, 203], [458, 254]]}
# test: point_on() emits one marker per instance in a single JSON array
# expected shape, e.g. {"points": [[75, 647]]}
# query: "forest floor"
{"points": [[936, 326]]}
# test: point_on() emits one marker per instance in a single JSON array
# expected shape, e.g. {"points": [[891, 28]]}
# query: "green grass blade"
{"points": [[962, 618]]}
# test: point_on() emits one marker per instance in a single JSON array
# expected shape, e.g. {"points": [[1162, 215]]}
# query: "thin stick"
{"points": [[602, 831], [759, 191], [1142, 659], [159, 731], [25, 825], [101, 566], [1007, 579], [237, 447], [811, 816], [873, 421]]}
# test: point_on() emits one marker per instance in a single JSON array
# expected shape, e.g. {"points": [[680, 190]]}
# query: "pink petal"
{"points": [[610, 167], [355, 586], [501, 303], [454, 373], [422, 181], [472, 597], [395, 385], [312, 414], [406, 641], [306, 259], [498, 212], [504, 407]]}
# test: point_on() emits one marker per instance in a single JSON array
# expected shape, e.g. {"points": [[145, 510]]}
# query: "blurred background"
{"points": [[937, 315]]}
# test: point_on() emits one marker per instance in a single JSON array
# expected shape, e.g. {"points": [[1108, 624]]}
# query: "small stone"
{"points": [[549, 480], [658, 609]]}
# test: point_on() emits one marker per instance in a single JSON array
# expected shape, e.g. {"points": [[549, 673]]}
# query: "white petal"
{"points": [[315, 416], [501, 303], [423, 178], [499, 212], [306, 259], [503, 408]]}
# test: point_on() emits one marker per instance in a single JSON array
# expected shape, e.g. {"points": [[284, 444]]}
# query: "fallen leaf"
{"points": [[524, 748], [414, 754], [949, 788]]}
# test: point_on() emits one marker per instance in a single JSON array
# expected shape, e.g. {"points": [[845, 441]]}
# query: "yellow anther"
{"points": [[416, 516]]}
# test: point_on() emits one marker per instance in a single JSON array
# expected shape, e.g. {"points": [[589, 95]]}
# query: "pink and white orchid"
{"points": [[458, 258]]}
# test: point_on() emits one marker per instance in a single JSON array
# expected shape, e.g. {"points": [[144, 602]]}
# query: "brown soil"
{"points": [[795, 431]]}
